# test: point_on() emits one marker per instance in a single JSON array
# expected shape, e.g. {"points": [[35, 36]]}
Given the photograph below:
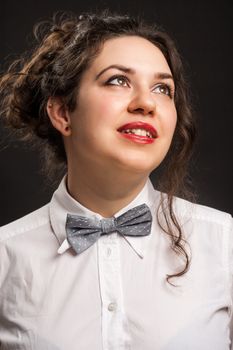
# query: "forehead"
{"points": [[132, 51]]}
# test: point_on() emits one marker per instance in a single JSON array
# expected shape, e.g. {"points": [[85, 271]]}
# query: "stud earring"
{"points": [[67, 128]]}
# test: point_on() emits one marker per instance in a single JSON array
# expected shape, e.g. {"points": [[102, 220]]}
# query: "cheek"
{"points": [[93, 118], [172, 122], [99, 110], [169, 120], [108, 106]]}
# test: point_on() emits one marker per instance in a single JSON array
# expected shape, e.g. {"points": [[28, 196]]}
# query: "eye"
{"points": [[164, 89], [119, 80]]}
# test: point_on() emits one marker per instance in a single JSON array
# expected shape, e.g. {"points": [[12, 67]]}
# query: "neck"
{"points": [[103, 194]]}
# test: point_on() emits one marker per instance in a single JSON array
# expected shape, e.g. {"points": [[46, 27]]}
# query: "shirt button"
{"points": [[112, 307], [109, 252]]}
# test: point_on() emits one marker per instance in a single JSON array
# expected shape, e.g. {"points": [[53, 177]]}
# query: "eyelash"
{"points": [[170, 90], [108, 82]]}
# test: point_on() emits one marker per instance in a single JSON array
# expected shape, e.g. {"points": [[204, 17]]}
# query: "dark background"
{"points": [[203, 33]]}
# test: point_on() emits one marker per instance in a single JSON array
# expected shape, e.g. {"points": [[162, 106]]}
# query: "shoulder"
{"points": [[208, 231], [201, 213], [26, 224]]}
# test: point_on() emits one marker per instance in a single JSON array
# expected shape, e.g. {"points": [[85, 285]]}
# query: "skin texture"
{"points": [[106, 170]]}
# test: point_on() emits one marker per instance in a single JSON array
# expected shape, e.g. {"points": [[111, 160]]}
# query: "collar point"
{"points": [[63, 247]]}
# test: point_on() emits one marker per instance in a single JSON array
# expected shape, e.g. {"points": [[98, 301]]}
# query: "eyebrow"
{"points": [[158, 75]]}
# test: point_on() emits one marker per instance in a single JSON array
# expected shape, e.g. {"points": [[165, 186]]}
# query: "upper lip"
{"points": [[139, 125]]}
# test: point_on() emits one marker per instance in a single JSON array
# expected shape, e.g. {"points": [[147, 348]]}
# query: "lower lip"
{"points": [[138, 139]]}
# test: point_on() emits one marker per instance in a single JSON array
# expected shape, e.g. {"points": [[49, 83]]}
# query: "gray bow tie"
{"points": [[83, 232]]}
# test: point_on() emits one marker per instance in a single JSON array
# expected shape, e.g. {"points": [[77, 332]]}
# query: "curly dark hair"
{"points": [[67, 45]]}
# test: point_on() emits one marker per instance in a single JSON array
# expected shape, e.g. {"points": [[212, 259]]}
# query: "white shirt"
{"points": [[114, 295]]}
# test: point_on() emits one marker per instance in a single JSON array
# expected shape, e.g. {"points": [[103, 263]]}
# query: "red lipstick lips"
{"points": [[147, 133]]}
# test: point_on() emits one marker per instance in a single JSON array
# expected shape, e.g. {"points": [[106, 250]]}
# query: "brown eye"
{"points": [[163, 89], [118, 80]]}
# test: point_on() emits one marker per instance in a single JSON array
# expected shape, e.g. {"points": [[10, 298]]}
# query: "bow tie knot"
{"points": [[108, 225], [83, 232]]}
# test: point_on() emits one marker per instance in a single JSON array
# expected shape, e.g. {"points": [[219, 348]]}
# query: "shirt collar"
{"points": [[62, 203]]}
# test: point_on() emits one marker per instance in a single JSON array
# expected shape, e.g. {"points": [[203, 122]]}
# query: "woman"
{"points": [[111, 263]]}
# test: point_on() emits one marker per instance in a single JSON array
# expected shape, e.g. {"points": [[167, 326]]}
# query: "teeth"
{"points": [[139, 132]]}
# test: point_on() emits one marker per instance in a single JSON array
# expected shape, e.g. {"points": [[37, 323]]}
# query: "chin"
{"points": [[138, 165]]}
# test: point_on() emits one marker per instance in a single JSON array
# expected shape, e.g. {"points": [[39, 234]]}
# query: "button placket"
{"points": [[108, 252], [112, 306], [115, 334], [110, 246]]}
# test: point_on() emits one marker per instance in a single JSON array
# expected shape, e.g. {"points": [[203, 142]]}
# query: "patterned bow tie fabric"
{"points": [[83, 232]]}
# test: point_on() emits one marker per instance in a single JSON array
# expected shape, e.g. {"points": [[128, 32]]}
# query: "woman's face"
{"points": [[125, 115]]}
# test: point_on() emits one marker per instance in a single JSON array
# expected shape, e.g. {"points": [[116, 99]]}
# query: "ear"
{"points": [[59, 115]]}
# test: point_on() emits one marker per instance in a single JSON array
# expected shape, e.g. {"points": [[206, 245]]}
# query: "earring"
{"points": [[67, 128]]}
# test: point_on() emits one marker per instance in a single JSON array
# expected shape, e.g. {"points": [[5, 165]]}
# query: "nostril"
{"points": [[142, 111], [139, 110], [142, 103]]}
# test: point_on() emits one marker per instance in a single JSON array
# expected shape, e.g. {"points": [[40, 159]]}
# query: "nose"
{"points": [[142, 103]]}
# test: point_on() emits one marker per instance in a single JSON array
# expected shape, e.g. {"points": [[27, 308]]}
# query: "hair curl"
{"points": [[66, 47]]}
